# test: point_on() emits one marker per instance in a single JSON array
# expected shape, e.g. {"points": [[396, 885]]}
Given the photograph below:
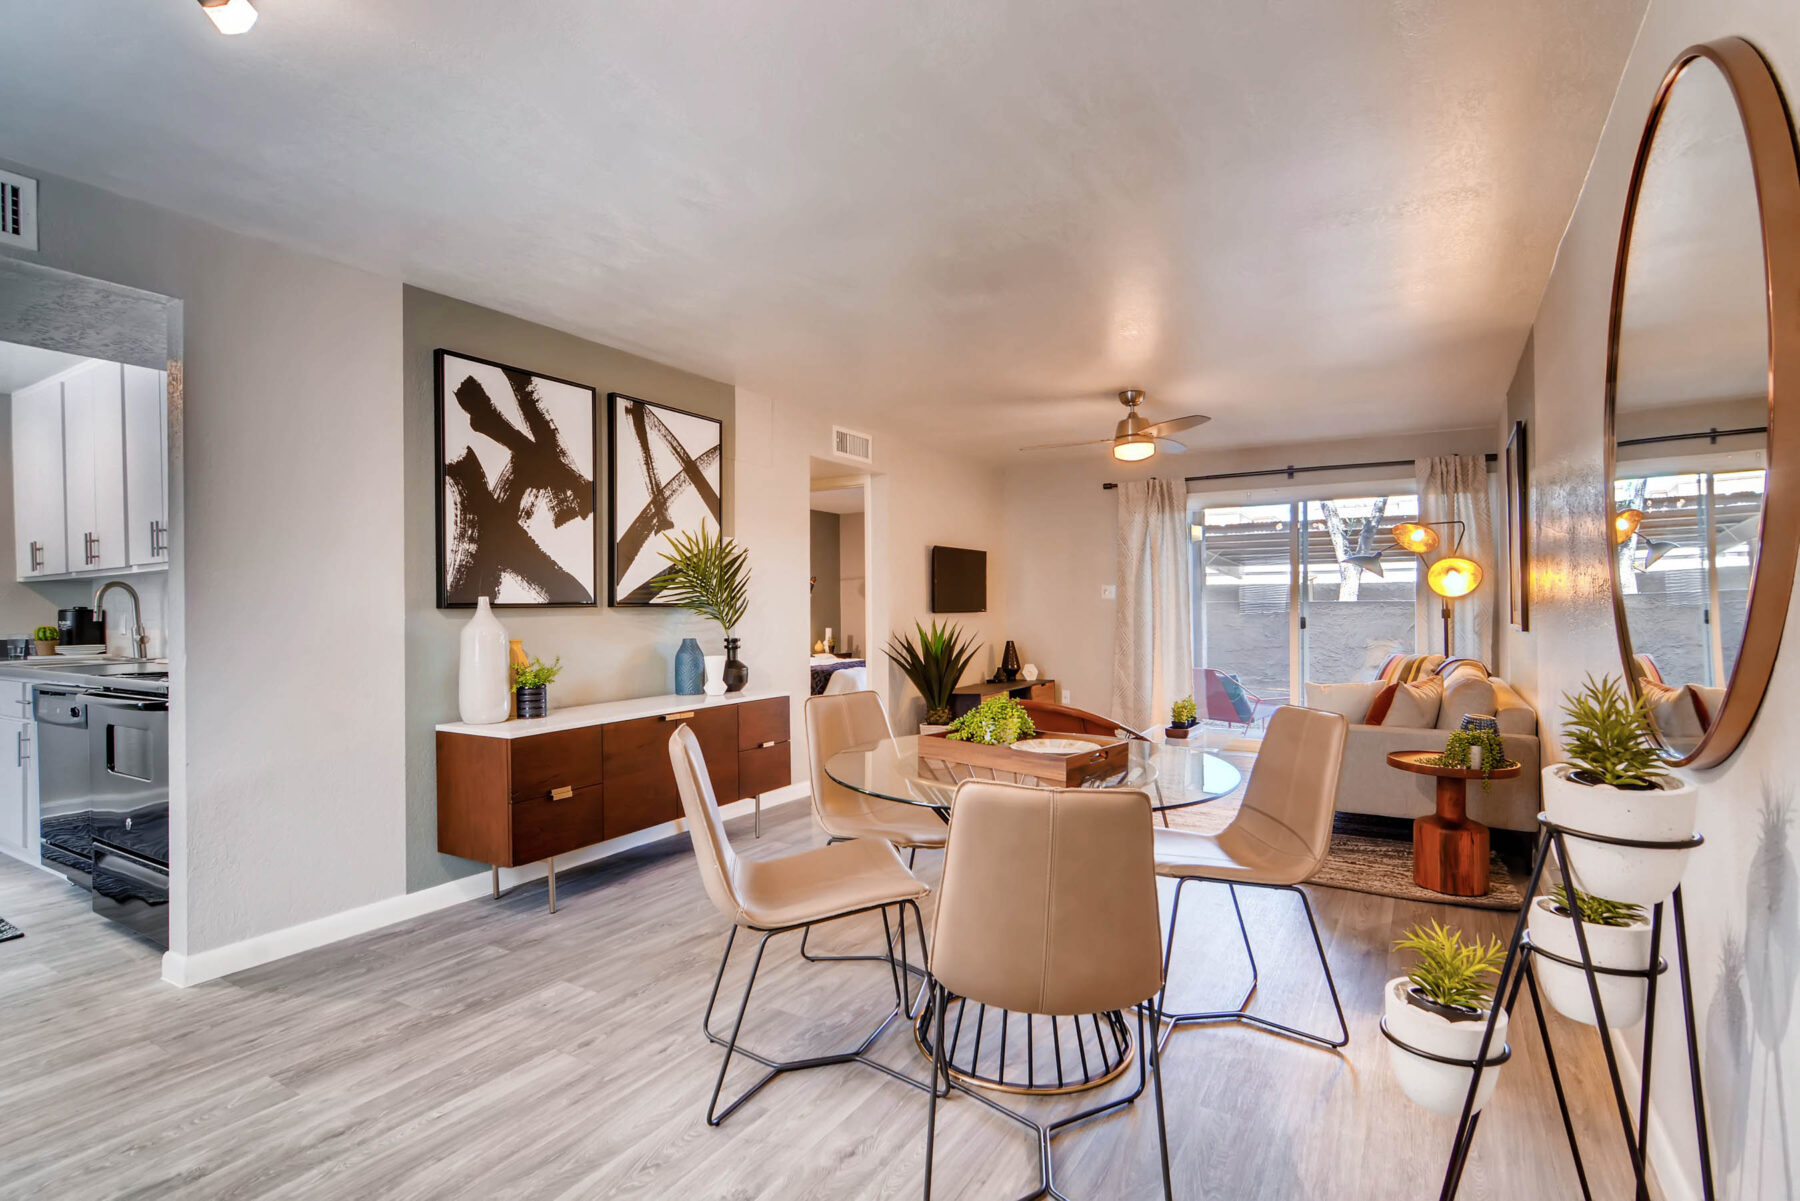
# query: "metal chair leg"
{"points": [[805, 938], [1153, 1048]]}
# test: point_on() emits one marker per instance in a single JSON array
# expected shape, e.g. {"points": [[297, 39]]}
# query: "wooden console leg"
{"points": [[1450, 852]]}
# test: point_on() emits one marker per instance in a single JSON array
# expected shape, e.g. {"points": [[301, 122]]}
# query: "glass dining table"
{"points": [[1023, 1052]]}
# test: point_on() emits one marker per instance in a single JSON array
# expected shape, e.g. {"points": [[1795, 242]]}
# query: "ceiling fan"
{"points": [[1134, 438]]}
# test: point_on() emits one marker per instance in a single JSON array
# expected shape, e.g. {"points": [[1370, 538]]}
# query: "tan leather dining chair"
{"points": [[852, 719], [1048, 906], [795, 892], [1278, 839]]}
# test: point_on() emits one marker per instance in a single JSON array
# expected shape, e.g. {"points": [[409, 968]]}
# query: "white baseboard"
{"points": [[184, 971]]}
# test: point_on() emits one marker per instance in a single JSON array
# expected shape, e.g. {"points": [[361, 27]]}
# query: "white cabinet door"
{"points": [[146, 457], [15, 795], [39, 533], [94, 466]]}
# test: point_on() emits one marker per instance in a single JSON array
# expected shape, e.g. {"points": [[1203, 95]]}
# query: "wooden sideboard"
{"points": [[967, 696], [527, 791]]}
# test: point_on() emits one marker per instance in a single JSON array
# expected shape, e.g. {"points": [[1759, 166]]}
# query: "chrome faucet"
{"points": [[139, 637]]}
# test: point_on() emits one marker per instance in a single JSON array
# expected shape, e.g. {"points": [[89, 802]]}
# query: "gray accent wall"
{"points": [[607, 654], [827, 604]]}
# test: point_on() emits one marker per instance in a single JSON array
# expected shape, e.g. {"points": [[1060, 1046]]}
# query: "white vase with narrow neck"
{"points": [[483, 691]]}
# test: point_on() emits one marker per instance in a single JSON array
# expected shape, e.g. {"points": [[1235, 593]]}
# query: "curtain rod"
{"points": [[1290, 471], [1711, 435]]}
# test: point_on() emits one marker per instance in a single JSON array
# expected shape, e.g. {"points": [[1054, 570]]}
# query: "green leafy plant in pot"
{"points": [[531, 686], [996, 721], [709, 574], [1614, 785], [934, 664], [1441, 1008], [1618, 936], [1184, 715], [1459, 751]]}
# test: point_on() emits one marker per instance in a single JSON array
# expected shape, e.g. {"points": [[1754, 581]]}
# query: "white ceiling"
{"points": [[23, 366], [977, 220]]}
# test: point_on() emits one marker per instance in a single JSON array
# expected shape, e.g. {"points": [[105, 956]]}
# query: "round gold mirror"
{"points": [[1702, 436]]}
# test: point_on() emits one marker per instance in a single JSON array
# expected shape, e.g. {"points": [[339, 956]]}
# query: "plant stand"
{"points": [[1517, 971]]}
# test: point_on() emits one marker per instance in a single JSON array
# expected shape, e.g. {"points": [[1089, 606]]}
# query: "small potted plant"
{"points": [[1476, 750], [710, 574], [1614, 785], [531, 686], [1618, 936], [44, 640], [1441, 1008], [1184, 715], [997, 721], [934, 665]]}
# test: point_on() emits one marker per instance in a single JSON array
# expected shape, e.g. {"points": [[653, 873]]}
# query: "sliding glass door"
{"points": [[1354, 614], [1244, 580]]}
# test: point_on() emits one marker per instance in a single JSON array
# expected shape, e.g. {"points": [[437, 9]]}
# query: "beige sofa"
{"points": [[1369, 785]]}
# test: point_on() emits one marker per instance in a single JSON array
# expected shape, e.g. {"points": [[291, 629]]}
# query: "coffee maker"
{"points": [[81, 626]]}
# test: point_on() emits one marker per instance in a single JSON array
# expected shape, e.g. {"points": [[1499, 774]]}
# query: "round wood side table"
{"points": [[1450, 852]]}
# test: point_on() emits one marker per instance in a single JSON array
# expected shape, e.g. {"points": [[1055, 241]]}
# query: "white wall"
{"points": [[289, 678], [1742, 884]]}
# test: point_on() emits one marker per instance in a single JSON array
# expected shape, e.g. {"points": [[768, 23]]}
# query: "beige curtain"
{"points": [[1153, 646], [1455, 488]]}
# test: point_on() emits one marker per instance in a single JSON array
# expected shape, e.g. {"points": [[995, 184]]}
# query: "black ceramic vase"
{"points": [[533, 702], [736, 674], [1009, 661]]}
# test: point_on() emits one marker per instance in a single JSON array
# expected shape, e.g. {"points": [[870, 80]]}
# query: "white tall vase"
{"points": [[483, 697]]}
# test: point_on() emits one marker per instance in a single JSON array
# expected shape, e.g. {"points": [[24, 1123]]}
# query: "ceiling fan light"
{"points": [[1454, 577], [1133, 448], [1415, 538], [230, 16]]}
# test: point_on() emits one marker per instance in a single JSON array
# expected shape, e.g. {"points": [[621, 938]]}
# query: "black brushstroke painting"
{"points": [[665, 479], [516, 486]]}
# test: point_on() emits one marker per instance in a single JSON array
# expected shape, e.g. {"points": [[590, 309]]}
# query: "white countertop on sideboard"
{"points": [[577, 716]]}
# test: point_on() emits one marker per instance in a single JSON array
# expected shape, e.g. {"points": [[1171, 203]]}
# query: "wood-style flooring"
{"points": [[494, 1051]]}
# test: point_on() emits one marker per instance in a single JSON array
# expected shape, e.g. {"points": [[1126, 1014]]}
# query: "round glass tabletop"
{"points": [[1174, 774]]}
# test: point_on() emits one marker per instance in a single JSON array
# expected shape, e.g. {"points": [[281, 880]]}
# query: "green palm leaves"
{"points": [[1448, 970], [1607, 735], [709, 574], [934, 664]]}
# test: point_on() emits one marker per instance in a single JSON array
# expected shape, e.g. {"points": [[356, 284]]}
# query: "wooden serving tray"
{"points": [[1109, 756]]}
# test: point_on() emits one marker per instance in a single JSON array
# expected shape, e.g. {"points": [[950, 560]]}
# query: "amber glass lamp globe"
{"points": [[1454, 577], [1625, 524], [1419, 539]]}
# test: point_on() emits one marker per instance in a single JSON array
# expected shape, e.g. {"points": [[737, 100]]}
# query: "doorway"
{"points": [[841, 619]]}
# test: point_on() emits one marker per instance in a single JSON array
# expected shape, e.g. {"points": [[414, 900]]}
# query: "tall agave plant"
{"points": [[934, 664]]}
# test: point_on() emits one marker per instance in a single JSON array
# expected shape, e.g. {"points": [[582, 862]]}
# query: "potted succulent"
{"points": [[531, 685], [1184, 715], [710, 574], [1618, 936], [44, 640], [1614, 785], [934, 665], [1475, 750], [996, 721], [1441, 1008]]}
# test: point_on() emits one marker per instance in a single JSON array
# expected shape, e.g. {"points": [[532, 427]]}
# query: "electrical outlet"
{"points": [[1068, 697], [1109, 592]]}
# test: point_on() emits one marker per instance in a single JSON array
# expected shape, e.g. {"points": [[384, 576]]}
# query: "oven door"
{"points": [[132, 891], [128, 773]]}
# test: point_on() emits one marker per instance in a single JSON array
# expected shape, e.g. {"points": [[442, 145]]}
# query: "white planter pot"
{"points": [[1439, 1087], [1611, 946], [484, 677], [715, 675], [1664, 814]]}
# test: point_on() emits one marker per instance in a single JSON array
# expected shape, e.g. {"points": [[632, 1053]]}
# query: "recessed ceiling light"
{"points": [[230, 16]]}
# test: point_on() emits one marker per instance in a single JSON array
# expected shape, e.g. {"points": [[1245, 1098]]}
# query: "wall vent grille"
{"points": [[18, 211], [848, 444]]}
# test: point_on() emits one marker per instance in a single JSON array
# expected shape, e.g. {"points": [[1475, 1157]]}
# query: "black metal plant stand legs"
{"points": [[1517, 970]]}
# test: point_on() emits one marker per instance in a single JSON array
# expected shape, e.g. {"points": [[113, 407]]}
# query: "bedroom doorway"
{"points": [[841, 626]]}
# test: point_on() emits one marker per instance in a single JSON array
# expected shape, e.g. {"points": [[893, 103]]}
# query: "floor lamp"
{"points": [[1450, 577]]}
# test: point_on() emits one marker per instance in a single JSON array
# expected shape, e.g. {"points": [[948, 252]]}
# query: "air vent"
{"points": [[18, 211], [848, 444]]}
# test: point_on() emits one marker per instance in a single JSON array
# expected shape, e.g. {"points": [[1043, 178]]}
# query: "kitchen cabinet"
{"points": [[40, 533], [18, 779], [146, 466], [94, 465]]}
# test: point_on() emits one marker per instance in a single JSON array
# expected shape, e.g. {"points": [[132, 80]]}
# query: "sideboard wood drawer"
{"points": [[542, 826], [639, 777], [565, 759], [762, 721], [764, 769]]}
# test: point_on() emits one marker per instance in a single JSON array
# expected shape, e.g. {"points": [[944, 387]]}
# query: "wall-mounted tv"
{"points": [[958, 580]]}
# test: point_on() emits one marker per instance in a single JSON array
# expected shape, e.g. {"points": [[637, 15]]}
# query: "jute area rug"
{"points": [[1372, 855]]}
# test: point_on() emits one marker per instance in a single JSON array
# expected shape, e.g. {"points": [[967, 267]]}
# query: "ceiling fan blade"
{"points": [[1175, 425], [1172, 446], [1066, 445]]}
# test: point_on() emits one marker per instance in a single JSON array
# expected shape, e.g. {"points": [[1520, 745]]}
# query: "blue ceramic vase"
{"points": [[690, 669]]}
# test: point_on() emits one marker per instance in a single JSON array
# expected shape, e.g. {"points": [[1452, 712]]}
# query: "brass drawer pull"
{"points": [[765, 745], [561, 793], [680, 716]]}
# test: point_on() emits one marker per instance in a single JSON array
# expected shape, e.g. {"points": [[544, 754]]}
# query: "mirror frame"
{"points": [[1770, 136]]}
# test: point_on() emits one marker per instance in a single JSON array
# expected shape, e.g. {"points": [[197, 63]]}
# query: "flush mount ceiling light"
{"points": [[230, 16], [1135, 439]]}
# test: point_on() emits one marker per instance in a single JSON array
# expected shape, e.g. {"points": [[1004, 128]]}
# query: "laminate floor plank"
{"points": [[495, 1051]]}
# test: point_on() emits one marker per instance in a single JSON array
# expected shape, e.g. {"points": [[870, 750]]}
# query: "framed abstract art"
{"points": [[516, 486], [665, 478]]}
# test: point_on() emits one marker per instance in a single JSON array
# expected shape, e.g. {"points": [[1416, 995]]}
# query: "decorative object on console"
{"points": [[1618, 939], [44, 640], [516, 492], [710, 574], [1614, 786], [690, 668], [1009, 661], [1029, 672], [1518, 529], [531, 684], [1439, 1011], [665, 480], [483, 691], [934, 664]]}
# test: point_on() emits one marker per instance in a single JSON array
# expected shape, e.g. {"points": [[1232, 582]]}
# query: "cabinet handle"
{"points": [[560, 793], [92, 551], [21, 747], [37, 556], [763, 746], [679, 716], [159, 539]]}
